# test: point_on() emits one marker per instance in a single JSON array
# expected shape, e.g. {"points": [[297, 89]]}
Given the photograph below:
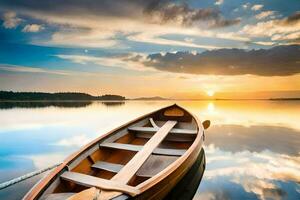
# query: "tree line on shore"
{"points": [[64, 96]]}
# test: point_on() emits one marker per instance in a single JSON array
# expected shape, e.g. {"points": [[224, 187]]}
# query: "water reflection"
{"points": [[252, 147], [59, 104], [248, 113], [251, 175], [113, 103], [211, 108], [235, 138]]}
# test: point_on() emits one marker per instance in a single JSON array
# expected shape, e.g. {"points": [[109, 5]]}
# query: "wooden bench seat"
{"points": [[168, 152], [132, 147], [154, 130], [128, 147], [91, 181], [153, 165], [58, 196], [172, 137], [112, 167]]}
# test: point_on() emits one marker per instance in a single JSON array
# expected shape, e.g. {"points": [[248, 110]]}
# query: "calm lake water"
{"points": [[252, 148]]}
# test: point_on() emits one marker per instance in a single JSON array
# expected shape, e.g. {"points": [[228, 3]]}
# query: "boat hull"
{"points": [[159, 186]]}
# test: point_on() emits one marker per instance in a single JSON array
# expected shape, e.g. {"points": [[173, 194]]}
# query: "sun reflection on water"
{"points": [[211, 108]]}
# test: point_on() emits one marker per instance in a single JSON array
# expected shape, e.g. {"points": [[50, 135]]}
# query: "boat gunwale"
{"points": [[37, 190]]}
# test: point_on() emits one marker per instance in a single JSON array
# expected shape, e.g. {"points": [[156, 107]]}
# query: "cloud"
{"points": [[154, 38], [246, 5], [219, 2], [11, 20], [42, 161], [83, 38], [18, 68], [65, 8], [101, 25], [277, 61], [33, 28], [264, 43], [276, 29], [293, 19], [129, 61], [257, 7], [184, 15], [77, 140], [157, 11], [274, 193], [293, 37], [264, 14]]}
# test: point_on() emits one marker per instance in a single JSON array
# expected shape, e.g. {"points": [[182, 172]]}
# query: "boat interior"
{"points": [[127, 157]]}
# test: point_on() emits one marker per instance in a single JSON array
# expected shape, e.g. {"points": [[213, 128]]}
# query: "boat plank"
{"points": [[88, 194], [91, 181], [132, 147], [128, 147], [112, 167], [173, 138], [169, 152], [154, 130]]}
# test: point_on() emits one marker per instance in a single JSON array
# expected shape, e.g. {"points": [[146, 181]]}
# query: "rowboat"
{"points": [[143, 159]]}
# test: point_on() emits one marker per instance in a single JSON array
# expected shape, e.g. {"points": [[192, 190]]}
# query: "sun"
{"points": [[210, 93]]}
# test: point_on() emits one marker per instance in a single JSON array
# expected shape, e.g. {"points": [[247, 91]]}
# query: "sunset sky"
{"points": [[177, 49]]}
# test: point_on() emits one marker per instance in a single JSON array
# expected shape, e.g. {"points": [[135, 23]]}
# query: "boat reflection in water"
{"points": [[189, 184]]}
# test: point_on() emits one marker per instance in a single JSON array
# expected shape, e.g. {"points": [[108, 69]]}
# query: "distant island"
{"points": [[284, 99], [157, 98], [60, 96]]}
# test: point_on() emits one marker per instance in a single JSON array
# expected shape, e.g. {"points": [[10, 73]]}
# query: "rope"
{"points": [[25, 177]]}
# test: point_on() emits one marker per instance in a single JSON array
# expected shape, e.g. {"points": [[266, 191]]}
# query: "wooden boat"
{"points": [[143, 159]]}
